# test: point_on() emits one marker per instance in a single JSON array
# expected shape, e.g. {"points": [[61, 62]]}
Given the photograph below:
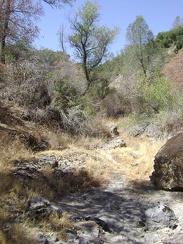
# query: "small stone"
{"points": [[134, 164], [114, 130], [134, 155]]}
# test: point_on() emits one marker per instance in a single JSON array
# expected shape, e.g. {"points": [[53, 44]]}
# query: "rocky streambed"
{"points": [[118, 211]]}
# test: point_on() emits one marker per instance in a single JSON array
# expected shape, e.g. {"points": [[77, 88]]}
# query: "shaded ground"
{"points": [[119, 202], [121, 207]]}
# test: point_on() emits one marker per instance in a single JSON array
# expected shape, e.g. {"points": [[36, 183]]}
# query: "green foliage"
{"points": [[64, 94], [17, 51], [156, 94], [89, 40], [86, 105], [111, 68], [99, 89], [88, 13], [140, 43], [91, 102], [51, 57], [138, 33], [58, 3], [169, 38]]}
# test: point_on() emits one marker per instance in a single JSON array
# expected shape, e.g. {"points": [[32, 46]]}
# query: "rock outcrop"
{"points": [[168, 165]]}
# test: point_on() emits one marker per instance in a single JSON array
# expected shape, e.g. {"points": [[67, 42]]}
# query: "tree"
{"points": [[17, 22], [90, 40], [177, 22], [170, 38], [61, 36], [140, 42], [58, 3]]}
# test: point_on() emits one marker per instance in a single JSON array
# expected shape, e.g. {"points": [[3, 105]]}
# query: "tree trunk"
{"points": [[87, 73], [5, 30]]}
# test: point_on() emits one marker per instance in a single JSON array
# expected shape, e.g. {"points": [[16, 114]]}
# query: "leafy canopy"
{"points": [[173, 37], [90, 40], [140, 43]]}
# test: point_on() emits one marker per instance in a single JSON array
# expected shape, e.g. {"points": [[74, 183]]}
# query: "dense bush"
{"points": [[155, 94], [25, 84]]}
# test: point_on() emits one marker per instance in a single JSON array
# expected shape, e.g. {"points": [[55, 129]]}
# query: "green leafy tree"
{"points": [[90, 40], [140, 43], [169, 38], [157, 93]]}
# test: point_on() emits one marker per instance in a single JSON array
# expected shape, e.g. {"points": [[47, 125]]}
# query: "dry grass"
{"points": [[56, 225], [19, 234], [15, 192], [135, 163], [57, 138]]}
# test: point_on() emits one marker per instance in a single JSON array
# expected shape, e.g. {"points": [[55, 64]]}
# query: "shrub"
{"points": [[64, 94], [155, 94], [25, 84], [116, 105]]}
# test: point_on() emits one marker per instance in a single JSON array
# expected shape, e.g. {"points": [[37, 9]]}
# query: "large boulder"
{"points": [[168, 165]]}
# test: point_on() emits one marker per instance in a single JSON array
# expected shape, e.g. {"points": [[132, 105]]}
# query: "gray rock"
{"points": [[41, 207], [100, 222], [168, 165], [115, 143], [138, 129], [87, 231], [159, 217], [151, 238], [28, 172], [43, 238], [114, 130], [152, 130], [119, 143]]}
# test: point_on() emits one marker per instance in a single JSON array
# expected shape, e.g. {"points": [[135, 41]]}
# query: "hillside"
{"points": [[174, 70]]}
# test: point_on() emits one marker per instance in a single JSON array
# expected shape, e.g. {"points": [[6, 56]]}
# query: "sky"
{"points": [[159, 15]]}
